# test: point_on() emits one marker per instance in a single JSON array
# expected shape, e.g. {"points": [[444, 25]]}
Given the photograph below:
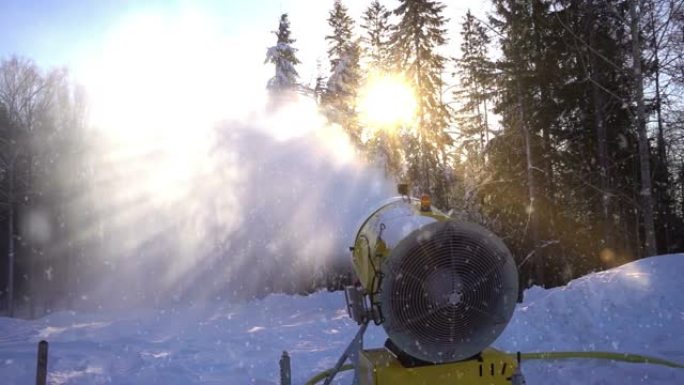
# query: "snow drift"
{"points": [[635, 308]]}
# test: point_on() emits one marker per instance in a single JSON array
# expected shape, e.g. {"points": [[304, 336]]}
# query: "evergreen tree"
{"points": [[476, 74], [415, 42], [339, 99], [342, 33], [473, 92], [282, 55], [377, 36], [600, 138], [663, 43], [565, 86], [344, 80]]}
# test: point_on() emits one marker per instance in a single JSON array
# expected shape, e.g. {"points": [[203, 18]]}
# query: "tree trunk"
{"points": [[532, 192], [681, 184], [11, 248], [601, 137], [486, 119], [662, 174], [545, 122], [638, 246], [529, 166], [421, 116], [646, 194]]}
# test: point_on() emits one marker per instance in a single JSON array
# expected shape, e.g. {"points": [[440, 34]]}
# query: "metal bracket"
{"points": [[356, 304]]}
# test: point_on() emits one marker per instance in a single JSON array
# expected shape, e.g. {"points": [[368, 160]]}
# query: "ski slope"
{"points": [[636, 308]]}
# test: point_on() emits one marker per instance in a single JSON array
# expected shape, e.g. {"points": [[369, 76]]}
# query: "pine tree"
{"points": [[344, 80], [663, 52], [377, 36], [476, 74], [415, 41], [339, 100], [565, 91], [342, 33], [283, 56], [473, 91]]}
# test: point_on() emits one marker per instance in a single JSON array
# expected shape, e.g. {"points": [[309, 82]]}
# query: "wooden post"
{"points": [[285, 369], [41, 370]]}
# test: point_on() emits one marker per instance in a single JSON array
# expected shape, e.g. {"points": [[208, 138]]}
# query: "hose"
{"points": [[324, 374], [624, 357]]}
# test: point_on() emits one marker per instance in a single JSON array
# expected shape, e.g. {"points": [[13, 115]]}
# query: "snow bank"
{"points": [[635, 308]]}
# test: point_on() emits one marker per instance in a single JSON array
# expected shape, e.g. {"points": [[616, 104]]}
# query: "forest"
{"points": [[558, 124]]}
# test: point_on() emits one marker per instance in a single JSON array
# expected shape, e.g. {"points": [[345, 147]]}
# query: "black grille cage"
{"points": [[449, 290]]}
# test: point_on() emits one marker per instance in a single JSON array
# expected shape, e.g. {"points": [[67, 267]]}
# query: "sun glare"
{"points": [[160, 73], [387, 101], [157, 88], [148, 70]]}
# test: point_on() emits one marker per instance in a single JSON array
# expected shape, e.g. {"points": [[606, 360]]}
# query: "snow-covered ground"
{"points": [[637, 308]]}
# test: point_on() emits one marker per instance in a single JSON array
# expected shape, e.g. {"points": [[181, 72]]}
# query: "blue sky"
{"points": [[210, 50], [67, 32], [53, 32]]}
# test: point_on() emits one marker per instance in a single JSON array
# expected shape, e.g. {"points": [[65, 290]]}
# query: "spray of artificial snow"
{"points": [[266, 203]]}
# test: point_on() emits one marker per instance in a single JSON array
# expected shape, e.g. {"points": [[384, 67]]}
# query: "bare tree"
{"points": [[26, 94], [644, 150]]}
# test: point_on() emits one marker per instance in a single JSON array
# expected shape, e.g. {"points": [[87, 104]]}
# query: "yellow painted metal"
{"points": [[380, 367], [370, 250]]}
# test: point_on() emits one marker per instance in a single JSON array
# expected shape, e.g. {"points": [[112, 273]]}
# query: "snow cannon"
{"points": [[443, 289]]}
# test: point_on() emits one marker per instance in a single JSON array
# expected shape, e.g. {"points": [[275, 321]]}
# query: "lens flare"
{"points": [[387, 101]]}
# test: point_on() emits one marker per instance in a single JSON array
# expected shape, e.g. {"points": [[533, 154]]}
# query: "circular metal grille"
{"points": [[449, 290]]}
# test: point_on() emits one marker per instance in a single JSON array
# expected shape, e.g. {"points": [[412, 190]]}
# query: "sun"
{"points": [[387, 101]]}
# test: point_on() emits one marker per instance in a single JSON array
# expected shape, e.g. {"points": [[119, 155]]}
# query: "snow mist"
{"points": [[193, 212]]}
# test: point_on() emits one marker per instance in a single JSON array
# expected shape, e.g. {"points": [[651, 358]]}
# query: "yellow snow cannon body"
{"points": [[443, 290]]}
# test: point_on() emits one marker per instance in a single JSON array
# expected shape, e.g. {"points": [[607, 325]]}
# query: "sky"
{"points": [[73, 32], [215, 48]]}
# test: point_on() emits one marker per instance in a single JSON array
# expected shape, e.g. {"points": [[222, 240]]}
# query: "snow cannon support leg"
{"points": [[518, 378], [352, 353]]}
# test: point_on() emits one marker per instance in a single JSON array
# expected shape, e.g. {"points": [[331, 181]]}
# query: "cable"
{"points": [[324, 374], [614, 356]]}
